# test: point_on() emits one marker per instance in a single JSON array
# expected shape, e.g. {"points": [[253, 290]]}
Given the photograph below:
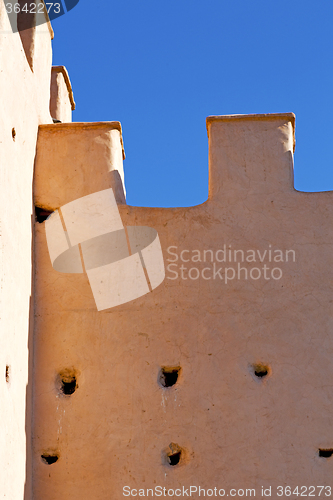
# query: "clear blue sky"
{"points": [[160, 67]]}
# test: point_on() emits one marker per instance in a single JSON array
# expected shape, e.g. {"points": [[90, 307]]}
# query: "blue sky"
{"points": [[161, 67]]}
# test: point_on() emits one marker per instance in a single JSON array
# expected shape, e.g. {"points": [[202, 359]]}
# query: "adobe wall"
{"points": [[24, 104], [251, 405]]}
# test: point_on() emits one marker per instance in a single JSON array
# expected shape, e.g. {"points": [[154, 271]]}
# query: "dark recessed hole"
{"points": [[325, 453], [13, 133], [174, 458], [50, 458], [169, 375], [7, 373], [173, 455], [67, 382], [260, 370], [41, 214], [68, 387]]}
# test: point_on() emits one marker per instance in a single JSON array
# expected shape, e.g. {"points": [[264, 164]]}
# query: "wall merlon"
{"points": [[250, 154], [253, 117], [114, 125], [77, 159]]}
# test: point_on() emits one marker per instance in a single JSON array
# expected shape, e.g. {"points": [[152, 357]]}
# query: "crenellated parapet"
{"points": [[216, 377]]}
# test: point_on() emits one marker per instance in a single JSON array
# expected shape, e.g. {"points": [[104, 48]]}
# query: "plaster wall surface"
{"points": [[236, 430], [24, 104]]}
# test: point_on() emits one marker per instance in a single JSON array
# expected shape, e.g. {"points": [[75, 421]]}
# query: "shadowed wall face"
{"points": [[218, 376]]}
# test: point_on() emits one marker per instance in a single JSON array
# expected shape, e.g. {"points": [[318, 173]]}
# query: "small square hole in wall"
{"points": [[67, 381], [174, 455], [174, 458], [41, 214], [325, 452], [50, 458], [260, 371], [169, 375]]}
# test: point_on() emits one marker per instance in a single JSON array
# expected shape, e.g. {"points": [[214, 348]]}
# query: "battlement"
{"points": [[248, 284]]}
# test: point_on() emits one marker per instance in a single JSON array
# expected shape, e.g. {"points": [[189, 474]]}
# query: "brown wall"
{"points": [[235, 429]]}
